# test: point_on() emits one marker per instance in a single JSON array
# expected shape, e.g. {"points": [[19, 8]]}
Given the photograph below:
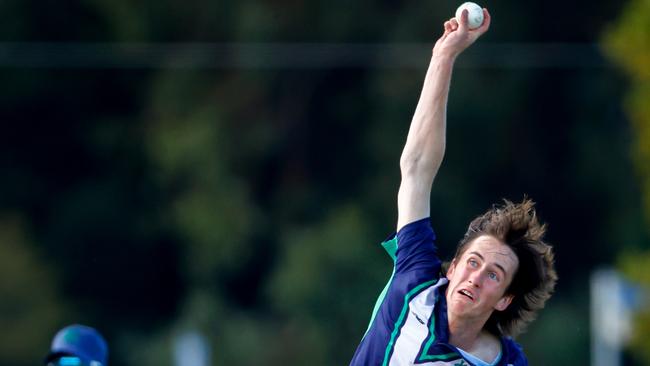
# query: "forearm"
{"points": [[425, 143]]}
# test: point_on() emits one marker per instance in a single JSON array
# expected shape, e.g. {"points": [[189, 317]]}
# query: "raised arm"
{"points": [[425, 143]]}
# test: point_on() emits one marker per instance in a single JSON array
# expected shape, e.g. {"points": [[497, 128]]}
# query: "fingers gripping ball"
{"points": [[474, 14]]}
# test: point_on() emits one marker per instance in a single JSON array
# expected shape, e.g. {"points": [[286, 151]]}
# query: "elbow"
{"points": [[419, 164], [409, 163]]}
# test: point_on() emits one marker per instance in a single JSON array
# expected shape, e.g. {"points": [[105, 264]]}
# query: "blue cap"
{"points": [[80, 341]]}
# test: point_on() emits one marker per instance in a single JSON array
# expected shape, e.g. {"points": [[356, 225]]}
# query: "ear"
{"points": [[452, 267], [504, 302]]}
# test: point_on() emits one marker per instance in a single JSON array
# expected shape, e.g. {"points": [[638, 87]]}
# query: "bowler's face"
{"points": [[479, 278]]}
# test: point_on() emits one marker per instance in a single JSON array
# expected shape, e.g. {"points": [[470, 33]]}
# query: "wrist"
{"points": [[443, 57]]}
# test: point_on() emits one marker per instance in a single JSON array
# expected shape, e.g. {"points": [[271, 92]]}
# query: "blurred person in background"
{"points": [[77, 345], [466, 312]]}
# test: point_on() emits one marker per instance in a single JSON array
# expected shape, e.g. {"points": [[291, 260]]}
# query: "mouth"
{"points": [[467, 294]]}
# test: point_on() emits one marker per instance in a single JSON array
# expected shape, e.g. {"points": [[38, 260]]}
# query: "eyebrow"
{"points": [[495, 263]]}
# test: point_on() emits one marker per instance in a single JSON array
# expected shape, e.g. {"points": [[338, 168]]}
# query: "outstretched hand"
{"points": [[458, 36]]}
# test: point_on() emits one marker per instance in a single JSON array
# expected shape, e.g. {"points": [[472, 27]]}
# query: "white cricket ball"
{"points": [[474, 12]]}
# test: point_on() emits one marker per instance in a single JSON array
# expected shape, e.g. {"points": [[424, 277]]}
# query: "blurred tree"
{"points": [[31, 309], [326, 275], [627, 42], [247, 203]]}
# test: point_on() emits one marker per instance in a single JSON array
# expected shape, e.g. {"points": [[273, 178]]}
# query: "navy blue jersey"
{"points": [[409, 322]]}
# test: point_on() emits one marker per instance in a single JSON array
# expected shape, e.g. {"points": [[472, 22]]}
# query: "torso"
{"points": [[409, 323]]}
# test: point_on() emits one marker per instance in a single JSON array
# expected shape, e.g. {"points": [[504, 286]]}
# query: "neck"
{"points": [[465, 333]]}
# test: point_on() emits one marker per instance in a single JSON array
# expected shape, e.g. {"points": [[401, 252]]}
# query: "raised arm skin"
{"points": [[425, 143]]}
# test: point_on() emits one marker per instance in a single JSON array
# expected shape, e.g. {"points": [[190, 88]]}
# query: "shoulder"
{"points": [[415, 236], [416, 250], [418, 228]]}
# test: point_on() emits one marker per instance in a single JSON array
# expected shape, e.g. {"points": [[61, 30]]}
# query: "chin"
{"points": [[459, 307]]}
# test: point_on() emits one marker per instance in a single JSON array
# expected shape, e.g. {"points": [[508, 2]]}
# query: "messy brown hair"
{"points": [[516, 225]]}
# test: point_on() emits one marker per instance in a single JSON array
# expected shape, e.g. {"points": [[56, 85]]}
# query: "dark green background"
{"points": [[247, 199]]}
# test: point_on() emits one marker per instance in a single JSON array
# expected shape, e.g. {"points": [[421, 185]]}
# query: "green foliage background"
{"points": [[248, 203], [628, 43]]}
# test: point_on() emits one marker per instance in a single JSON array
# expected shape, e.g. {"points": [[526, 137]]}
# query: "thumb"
{"points": [[463, 22]]}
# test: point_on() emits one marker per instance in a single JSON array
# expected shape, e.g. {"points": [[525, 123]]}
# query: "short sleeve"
{"points": [[413, 248]]}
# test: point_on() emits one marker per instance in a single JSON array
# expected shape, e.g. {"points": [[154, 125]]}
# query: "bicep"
{"points": [[413, 199]]}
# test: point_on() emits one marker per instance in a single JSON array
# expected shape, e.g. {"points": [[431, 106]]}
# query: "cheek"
{"points": [[457, 276], [497, 290]]}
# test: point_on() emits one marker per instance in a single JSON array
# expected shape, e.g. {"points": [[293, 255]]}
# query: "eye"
{"points": [[493, 276], [473, 263]]}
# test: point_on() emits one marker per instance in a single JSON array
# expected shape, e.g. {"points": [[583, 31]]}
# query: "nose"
{"points": [[475, 278]]}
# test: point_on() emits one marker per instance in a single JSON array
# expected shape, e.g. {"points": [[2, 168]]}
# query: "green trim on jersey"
{"points": [[432, 338], [391, 248], [402, 315], [447, 356]]}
